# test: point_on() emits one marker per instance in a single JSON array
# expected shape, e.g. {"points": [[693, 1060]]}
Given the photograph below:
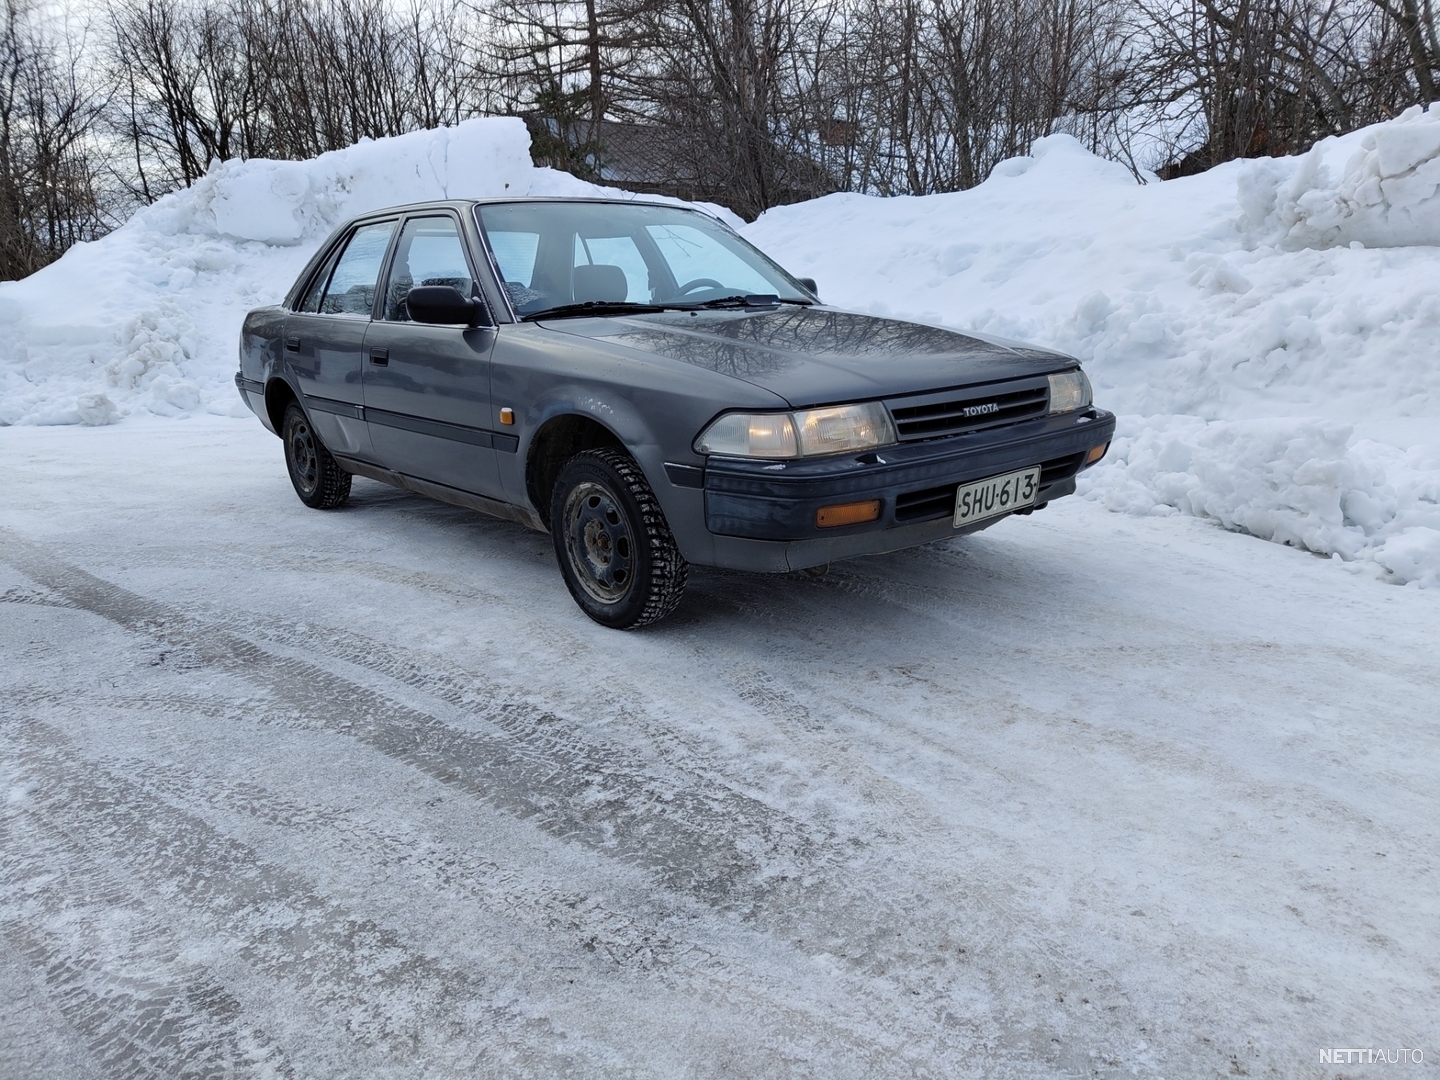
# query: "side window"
{"points": [[430, 252], [352, 285], [310, 302]]}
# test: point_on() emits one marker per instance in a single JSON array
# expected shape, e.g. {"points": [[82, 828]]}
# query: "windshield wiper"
{"points": [[594, 307], [747, 301]]}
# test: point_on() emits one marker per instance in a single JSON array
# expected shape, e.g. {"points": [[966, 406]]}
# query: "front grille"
{"points": [[937, 416], [938, 502]]}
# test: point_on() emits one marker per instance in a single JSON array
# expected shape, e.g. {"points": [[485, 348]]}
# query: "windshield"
{"points": [[553, 256]]}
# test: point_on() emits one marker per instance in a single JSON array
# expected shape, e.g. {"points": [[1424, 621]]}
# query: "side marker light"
{"points": [[507, 416]]}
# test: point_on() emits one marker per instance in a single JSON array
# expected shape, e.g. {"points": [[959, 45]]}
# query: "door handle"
{"points": [[292, 343], [380, 357]]}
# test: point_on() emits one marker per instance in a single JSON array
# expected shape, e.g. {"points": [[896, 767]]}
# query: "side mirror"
{"points": [[444, 304], [809, 283]]}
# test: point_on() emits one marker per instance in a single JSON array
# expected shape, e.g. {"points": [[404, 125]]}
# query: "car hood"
{"points": [[817, 355]]}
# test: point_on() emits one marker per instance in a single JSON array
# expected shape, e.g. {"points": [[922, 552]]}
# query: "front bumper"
{"points": [[915, 482]]}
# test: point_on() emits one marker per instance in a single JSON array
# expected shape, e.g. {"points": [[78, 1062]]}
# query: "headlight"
{"points": [[835, 429], [1069, 391], [767, 435]]}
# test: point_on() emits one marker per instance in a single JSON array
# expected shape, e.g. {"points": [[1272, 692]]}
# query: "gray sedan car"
{"points": [[641, 383]]}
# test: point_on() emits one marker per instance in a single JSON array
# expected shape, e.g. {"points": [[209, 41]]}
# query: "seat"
{"points": [[600, 283]]}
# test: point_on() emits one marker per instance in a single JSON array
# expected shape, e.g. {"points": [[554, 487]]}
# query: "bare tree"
{"points": [[51, 193], [207, 80], [749, 103], [1273, 76]]}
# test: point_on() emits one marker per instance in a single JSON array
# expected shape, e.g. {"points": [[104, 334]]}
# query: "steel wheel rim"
{"points": [[302, 453], [599, 543]]}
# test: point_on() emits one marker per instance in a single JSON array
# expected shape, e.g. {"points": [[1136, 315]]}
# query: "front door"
{"points": [[427, 388], [324, 337]]}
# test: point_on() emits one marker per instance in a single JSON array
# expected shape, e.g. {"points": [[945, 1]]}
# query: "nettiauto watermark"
{"points": [[1372, 1055]]}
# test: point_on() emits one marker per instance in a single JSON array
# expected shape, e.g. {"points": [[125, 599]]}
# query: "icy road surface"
{"points": [[362, 794]]}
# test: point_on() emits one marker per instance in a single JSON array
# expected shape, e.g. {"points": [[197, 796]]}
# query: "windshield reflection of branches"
{"points": [[665, 232]]}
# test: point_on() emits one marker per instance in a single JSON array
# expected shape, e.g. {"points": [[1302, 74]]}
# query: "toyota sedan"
{"points": [[644, 385]]}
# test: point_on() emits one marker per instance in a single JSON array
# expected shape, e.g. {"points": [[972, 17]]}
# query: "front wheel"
{"points": [[615, 549], [319, 481]]}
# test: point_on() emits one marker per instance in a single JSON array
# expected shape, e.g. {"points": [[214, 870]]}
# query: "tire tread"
{"points": [[669, 570], [333, 486]]}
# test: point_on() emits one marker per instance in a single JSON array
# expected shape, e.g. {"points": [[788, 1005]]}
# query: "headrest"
{"points": [[600, 282]]}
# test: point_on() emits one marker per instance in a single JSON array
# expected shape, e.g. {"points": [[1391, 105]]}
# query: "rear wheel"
{"points": [[615, 549], [319, 481]]}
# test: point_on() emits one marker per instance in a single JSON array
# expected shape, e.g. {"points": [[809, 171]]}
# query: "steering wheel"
{"points": [[691, 286]]}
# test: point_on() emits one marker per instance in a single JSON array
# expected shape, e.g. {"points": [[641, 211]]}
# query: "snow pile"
{"points": [[148, 317], [1304, 482], [1385, 197], [1276, 366]]}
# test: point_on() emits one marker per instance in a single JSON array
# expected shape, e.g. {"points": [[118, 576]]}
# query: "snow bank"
{"points": [[1385, 195], [1303, 482], [148, 317], [1271, 328]]}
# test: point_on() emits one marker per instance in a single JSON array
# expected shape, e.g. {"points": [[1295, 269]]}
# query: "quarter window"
{"points": [[352, 285], [313, 295]]}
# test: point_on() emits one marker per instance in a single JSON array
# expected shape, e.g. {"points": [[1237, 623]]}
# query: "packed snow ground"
{"points": [[362, 793]]}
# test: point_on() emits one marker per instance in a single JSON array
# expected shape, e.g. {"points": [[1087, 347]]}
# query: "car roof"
{"points": [[464, 204]]}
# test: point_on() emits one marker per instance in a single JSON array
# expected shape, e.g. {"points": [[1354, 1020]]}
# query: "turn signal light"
{"points": [[827, 517], [1096, 453]]}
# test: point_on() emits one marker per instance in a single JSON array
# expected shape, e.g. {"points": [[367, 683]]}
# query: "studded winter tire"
{"points": [[319, 481], [615, 549]]}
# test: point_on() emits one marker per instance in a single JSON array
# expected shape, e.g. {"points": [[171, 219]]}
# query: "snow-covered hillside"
{"points": [[1269, 330]]}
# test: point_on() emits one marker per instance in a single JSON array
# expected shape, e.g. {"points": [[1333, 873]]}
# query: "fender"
{"points": [[683, 507], [615, 415], [283, 378]]}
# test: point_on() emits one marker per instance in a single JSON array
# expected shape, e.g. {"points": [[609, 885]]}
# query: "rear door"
{"points": [[324, 337], [427, 388]]}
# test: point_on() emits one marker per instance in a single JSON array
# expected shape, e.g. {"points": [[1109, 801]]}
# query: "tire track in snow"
{"points": [[824, 1029], [35, 1038], [452, 891], [115, 971], [945, 985], [174, 1018], [535, 771]]}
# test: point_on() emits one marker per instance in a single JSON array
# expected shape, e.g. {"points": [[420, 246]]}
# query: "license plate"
{"points": [[997, 495]]}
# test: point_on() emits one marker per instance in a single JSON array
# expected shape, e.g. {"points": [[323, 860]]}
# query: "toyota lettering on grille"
{"points": [[981, 410]]}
